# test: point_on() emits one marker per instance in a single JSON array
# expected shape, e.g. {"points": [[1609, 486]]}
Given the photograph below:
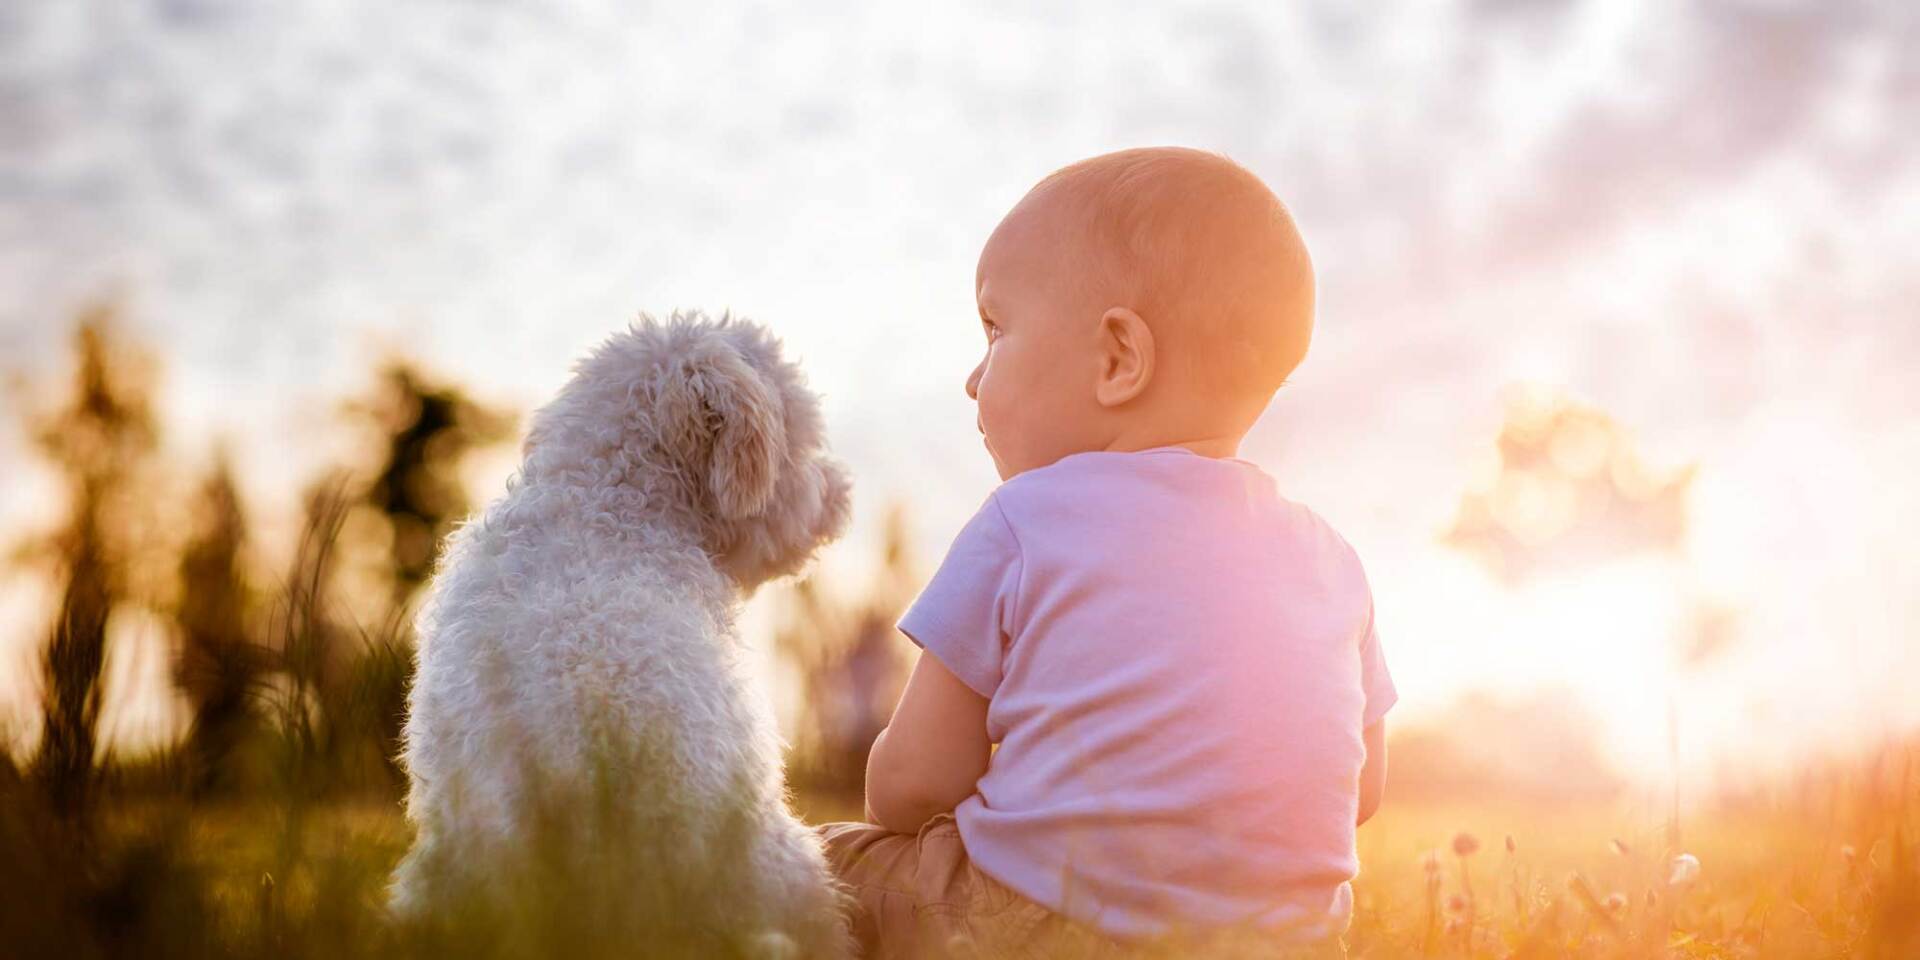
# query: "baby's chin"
{"points": [[999, 466]]}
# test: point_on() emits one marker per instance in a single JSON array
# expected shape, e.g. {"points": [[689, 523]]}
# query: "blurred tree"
{"points": [[99, 441], [1566, 488], [852, 664], [427, 429], [219, 663]]}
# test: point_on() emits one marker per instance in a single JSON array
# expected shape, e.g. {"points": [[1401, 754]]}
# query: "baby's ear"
{"points": [[748, 418]]}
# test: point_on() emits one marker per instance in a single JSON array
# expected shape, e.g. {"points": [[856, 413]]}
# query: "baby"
{"points": [[1178, 665]]}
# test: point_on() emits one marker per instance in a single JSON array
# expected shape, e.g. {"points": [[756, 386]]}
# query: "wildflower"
{"points": [[1616, 902], [1510, 844], [1653, 899], [1686, 869], [1430, 862], [1456, 903], [1453, 925], [1620, 847], [1465, 844]]}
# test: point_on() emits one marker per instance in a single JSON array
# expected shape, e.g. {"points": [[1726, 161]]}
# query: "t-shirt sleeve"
{"points": [[964, 615], [1375, 681]]}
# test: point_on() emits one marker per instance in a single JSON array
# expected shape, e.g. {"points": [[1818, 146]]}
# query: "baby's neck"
{"points": [[1220, 446]]}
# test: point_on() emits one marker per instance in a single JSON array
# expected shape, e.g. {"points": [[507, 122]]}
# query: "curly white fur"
{"points": [[579, 695]]}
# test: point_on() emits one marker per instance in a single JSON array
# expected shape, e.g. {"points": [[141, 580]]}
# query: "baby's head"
{"points": [[1142, 298]]}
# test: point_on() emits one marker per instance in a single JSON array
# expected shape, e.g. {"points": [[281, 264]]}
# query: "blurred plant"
{"points": [[99, 440], [340, 631], [1465, 845], [852, 664], [338, 690], [306, 637], [425, 430], [1430, 866], [219, 665]]}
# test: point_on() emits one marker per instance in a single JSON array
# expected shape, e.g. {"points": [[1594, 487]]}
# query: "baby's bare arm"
{"points": [[1373, 775], [932, 752]]}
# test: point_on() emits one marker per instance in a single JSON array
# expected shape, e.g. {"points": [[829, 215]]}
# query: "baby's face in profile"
{"points": [[1033, 386]]}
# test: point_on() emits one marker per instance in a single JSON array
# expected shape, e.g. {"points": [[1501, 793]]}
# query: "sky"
{"points": [[1701, 218]]}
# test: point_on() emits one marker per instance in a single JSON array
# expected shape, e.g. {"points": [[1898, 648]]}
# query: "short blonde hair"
{"points": [[1203, 251]]}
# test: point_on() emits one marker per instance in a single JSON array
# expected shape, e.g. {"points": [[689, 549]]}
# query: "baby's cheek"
{"points": [[999, 415]]}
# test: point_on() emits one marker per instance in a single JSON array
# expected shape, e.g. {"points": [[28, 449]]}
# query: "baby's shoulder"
{"points": [[1330, 543], [1073, 490]]}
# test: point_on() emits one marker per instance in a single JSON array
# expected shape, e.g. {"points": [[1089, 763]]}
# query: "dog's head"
{"points": [[701, 421]]}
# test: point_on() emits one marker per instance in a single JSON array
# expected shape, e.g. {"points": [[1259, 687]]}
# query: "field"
{"points": [[1825, 873], [1599, 882]]}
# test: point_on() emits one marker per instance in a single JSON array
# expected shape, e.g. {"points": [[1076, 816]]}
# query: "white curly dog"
{"points": [[580, 728]]}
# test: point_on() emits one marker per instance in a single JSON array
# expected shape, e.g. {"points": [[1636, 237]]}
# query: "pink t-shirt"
{"points": [[1179, 663]]}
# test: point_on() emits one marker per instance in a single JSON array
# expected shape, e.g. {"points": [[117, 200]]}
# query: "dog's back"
{"points": [[589, 766]]}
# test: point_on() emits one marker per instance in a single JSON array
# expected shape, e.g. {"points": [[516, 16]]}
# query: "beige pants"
{"points": [[918, 895]]}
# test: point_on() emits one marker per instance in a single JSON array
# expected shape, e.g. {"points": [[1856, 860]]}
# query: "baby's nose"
{"points": [[973, 383]]}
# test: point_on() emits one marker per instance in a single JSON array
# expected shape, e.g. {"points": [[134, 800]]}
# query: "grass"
{"points": [[1600, 882], [1437, 880]]}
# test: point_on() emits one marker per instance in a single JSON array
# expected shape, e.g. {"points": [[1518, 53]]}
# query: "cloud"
{"points": [[1733, 87]]}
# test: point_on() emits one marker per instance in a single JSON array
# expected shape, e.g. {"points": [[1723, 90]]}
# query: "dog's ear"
{"points": [[748, 418]]}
